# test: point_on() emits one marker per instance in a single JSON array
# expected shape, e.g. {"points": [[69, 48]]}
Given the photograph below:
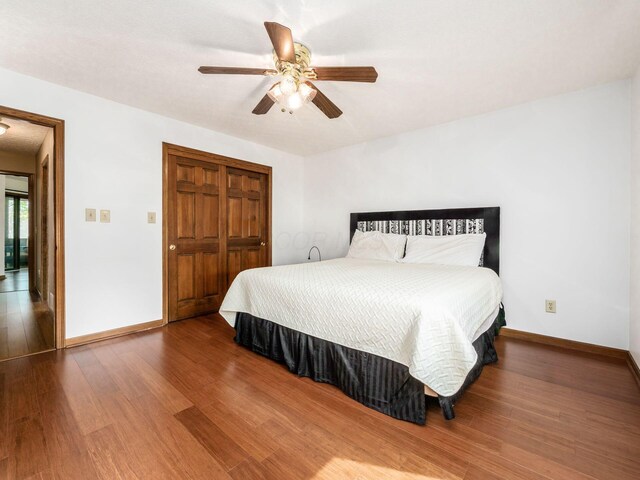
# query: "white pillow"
{"points": [[465, 249], [377, 246]]}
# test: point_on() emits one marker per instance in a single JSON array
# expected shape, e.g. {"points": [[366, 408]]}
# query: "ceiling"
{"points": [[22, 137], [437, 60]]}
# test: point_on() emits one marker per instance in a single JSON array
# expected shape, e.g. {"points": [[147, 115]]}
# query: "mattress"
{"points": [[425, 317]]}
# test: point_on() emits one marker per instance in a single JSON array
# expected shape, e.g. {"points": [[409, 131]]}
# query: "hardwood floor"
{"points": [[185, 402], [15, 280], [26, 325]]}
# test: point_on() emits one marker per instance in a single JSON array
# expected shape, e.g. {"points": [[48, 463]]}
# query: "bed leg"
{"points": [[447, 411]]}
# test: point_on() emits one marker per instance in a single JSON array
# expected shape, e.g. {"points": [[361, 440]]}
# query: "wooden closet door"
{"points": [[247, 220], [217, 222], [194, 228]]}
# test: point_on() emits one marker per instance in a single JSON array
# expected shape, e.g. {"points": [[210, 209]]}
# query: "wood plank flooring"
{"points": [[15, 280], [26, 325], [185, 401]]}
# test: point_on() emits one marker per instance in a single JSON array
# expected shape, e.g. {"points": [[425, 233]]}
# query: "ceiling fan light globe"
{"points": [[294, 101], [275, 93], [306, 92], [288, 85], [3, 128]]}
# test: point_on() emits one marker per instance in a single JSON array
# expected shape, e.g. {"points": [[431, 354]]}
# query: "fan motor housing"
{"points": [[301, 67]]}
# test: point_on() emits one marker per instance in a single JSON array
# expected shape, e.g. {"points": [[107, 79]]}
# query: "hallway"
{"points": [[26, 324], [27, 227]]}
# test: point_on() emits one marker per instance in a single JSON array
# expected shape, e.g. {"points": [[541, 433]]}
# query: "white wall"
{"points": [[114, 161], [17, 162], [634, 323], [559, 170], [561, 164]]}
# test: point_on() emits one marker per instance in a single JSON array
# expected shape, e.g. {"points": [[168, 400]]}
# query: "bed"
{"points": [[387, 334]]}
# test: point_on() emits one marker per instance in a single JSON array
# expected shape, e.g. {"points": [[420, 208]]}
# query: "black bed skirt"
{"points": [[374, 381]]}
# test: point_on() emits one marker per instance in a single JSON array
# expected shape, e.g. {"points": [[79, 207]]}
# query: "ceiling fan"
{"points": [[293, 63]]}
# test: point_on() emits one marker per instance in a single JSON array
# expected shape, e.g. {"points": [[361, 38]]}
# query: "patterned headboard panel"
{"points": [[438, 222]]}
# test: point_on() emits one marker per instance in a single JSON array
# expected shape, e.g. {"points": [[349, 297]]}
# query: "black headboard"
{"points": [[451, 221]]}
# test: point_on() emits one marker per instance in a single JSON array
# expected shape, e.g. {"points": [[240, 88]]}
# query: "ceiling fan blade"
{"points": [[325, 105], [237, 71], [282, 41], [346, 74], [263, 105]]}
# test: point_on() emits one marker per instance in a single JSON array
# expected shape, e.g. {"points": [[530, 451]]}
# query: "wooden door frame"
{"points": [[171, 149], [32, 230], [58, 209], [43, 223]]}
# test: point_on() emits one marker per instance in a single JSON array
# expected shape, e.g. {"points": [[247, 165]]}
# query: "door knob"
{"points": [[172, 247], [262, 244]]}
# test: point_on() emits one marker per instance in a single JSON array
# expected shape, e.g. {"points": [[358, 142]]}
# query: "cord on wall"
{"points": [[319, 256]]}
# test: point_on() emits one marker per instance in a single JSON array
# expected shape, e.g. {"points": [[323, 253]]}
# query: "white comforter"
{"points": [[422, 316]]}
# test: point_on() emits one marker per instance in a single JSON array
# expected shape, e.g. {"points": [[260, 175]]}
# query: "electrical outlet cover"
{"points": [[550, 306], [105, 216], [90, 214]]}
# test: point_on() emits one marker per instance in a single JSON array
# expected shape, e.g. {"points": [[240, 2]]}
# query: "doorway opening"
{"points": [[17, 235], [31, 221]]}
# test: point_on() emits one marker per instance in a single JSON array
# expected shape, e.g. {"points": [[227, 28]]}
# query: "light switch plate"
{"points": [[550, 306], [105, 216], [89, 214], [151, 217]]}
